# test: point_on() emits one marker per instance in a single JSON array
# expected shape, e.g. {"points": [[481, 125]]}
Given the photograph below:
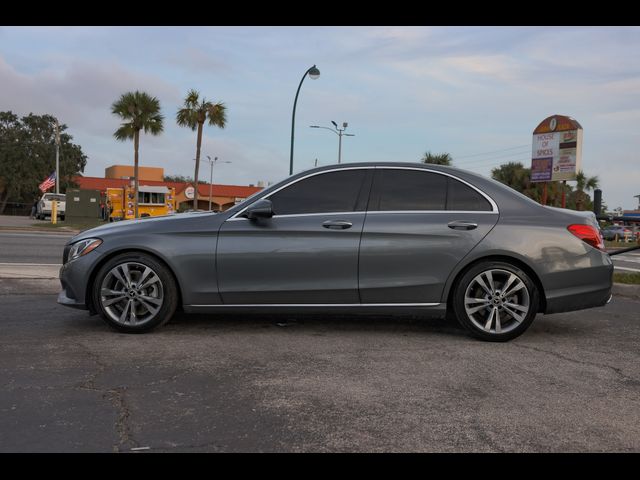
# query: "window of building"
{"points": [[151, 198], [326, 192]]}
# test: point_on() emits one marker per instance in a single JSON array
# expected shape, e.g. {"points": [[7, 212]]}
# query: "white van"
{"points": [[44, 205]]}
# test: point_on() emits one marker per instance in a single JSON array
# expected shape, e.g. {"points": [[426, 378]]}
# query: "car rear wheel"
{"points": [[495, 301], [135, 293]]}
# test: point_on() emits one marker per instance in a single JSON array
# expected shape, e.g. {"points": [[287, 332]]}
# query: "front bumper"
{"points": [[74, 279], [64, 299]]}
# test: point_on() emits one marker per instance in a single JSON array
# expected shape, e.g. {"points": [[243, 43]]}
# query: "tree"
{"points": [[517, 176], [193, 115], [584, 183], [140, 111], [182, 179], [437, 159], [27, 156]]}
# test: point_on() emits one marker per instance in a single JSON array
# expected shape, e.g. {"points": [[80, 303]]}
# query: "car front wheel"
{"points": [[135, 293], [495, 301]]}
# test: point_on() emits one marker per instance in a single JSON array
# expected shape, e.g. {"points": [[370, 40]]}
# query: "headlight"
{"points": [[83, 247]]}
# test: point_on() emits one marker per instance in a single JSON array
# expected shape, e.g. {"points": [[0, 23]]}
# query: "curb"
{"points": [[626, 290], [37, 230]]}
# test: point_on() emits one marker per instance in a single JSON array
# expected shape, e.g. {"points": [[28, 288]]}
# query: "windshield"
{"points": [[51, 197]]}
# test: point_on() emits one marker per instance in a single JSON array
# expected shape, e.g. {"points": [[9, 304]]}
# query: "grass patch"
{"points": [[614, 244], [629, 278]]}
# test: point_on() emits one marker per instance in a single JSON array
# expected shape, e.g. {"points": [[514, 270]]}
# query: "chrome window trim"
{"points": [[296, 305], [494, 206], [440, 212]]}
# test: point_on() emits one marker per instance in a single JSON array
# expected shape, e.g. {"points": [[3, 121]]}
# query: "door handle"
{"points": [[461, 225], [337, 224]]}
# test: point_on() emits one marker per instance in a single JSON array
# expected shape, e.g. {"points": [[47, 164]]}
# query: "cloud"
{"points": [[79, 94]]}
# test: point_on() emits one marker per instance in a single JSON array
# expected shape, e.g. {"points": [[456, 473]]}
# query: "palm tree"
{"points": [[437, 159], [193, 115], [140, 111], [584, 183]]}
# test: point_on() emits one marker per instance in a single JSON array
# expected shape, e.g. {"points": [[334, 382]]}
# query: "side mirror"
{"points": [[260, 209]]}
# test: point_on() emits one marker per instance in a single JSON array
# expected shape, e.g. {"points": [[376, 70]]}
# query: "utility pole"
{"points": [[57, 157]]}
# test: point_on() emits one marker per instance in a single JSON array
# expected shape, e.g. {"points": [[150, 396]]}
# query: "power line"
{"points": [[493, 163], [494, 151], [495, 157]]}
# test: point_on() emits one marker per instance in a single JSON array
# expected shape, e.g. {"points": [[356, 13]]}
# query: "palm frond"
{"points": [[125, 132], [217, 114], [142, 112]]}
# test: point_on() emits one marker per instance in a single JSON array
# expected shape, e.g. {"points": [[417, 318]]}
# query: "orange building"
{"points": [[155, 174], [222, 198]]}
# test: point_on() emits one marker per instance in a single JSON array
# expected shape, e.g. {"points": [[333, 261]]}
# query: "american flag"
{"points": [[48, 183]]}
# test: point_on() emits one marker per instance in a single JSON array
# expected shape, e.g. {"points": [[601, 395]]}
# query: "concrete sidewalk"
{"points": [[14, 223], [29, 270]]}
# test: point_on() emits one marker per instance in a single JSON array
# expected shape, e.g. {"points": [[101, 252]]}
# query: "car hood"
{"points": [[167, 223]]}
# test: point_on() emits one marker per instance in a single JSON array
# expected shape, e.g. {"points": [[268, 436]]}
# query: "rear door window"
{"points": [[464, 198], [402, 190]]}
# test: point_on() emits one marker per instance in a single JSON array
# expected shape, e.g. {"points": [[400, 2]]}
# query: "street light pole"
{"points": [[313, 73], [339, 132], [211, 179], [212, 163]]}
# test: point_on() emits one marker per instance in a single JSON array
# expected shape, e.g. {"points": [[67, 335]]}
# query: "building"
{"points": [[222, 197]]}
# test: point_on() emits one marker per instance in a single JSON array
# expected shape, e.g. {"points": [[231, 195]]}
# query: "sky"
{"points": [[474, 92]]}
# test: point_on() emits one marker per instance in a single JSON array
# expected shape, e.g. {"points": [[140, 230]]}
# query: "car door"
{"points": [[307, 253], [419, 225]]}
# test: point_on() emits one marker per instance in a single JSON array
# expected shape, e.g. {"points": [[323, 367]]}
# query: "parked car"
{"points": [[371, 237], [44, 205], [617, 231]]}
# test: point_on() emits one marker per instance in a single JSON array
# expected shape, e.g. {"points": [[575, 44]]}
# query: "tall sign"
{"points": [[557, 149]]}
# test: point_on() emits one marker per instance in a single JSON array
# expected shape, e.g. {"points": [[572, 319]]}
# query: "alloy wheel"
{"points": [[497, 301], [131, 294]]}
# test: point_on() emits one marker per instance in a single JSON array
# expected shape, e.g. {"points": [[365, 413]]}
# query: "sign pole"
{"points": [[564, 194], [544, 194]]}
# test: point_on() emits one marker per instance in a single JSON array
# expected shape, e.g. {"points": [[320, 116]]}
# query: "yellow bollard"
{"points": [[54, 212]]}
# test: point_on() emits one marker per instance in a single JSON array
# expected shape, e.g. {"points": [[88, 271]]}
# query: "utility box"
{"points": [[83, 203]]}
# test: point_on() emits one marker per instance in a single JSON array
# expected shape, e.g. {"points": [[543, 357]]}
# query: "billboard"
{"points": [[556, 152]]}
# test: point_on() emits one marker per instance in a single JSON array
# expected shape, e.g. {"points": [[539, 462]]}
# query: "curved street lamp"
{"points": [[314, 73], [338, 132]]}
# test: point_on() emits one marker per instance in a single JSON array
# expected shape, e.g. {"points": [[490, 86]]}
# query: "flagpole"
{"points": [[57, 157]]}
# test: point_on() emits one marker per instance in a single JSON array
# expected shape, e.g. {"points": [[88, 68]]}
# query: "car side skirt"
{"points": [[435, 309]]}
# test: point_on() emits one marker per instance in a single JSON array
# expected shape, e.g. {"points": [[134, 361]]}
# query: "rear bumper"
{"points": [[579, 301], [584, 288]]}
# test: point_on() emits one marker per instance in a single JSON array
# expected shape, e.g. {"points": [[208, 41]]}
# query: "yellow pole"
{"points": [[54, 212]]}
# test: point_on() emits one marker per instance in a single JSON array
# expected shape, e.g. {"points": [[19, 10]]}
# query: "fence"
{"points": [[18, 209]]}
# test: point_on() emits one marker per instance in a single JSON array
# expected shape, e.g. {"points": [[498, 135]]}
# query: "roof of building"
{"points": [[97, 183]]}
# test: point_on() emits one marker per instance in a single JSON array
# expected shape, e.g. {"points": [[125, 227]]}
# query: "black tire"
{"points": [[497, 306], [166, 286]]}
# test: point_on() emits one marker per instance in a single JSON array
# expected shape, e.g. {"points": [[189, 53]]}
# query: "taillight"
{"points": [[588, 234]]}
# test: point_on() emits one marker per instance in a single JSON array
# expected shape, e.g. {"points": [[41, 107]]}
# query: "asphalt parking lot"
{"points": [[571, 383]]}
